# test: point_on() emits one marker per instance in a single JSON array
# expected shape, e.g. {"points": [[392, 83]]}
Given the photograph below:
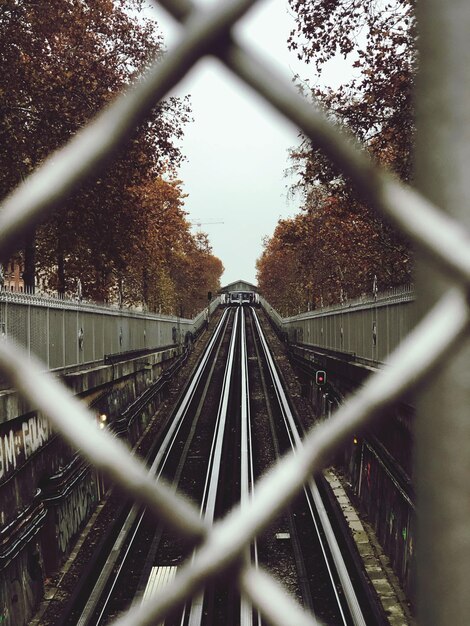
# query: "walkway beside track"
{"points": [[375, 561]]}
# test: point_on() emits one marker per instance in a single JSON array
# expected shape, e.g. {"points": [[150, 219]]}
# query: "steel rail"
{"points": [[291, 431], [131, 523], [211, 487], [150, 559], [299, 560], [311, 492], [212, 477], [183, 408], [161, 461], [247, 477]]}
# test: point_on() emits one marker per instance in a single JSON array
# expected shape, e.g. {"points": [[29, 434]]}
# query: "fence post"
{"points": [[443, 425]]}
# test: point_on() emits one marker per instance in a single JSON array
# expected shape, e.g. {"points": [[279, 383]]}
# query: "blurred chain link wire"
{"points": [[440, 238]]}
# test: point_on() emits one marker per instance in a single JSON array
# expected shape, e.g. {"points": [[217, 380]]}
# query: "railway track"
{"points": [[326, 585], [231, 422]]}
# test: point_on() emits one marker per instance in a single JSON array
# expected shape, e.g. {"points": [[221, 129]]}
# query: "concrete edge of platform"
{"points": [[376, 563]]}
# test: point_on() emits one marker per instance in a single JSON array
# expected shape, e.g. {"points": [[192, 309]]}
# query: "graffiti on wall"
{"points": [[22, 589], [74, 511], [19, 439]]}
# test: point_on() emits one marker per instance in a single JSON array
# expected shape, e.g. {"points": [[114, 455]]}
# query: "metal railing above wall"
{"points": [[394, 295], [64, 333], [369, 327], [431, 346]]}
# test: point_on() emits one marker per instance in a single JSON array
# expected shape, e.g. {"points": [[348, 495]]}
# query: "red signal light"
{"points": [[320, 377]]}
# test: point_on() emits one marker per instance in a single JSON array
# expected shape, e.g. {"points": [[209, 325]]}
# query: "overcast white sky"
{"points": [[237, 146]]}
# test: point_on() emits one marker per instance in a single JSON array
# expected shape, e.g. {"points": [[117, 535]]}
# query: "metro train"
{"points": [[238, 298]]}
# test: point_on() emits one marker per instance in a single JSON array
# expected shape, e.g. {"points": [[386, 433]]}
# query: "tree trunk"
{"points": [[60, 267], [29, 273], [145, 287]]}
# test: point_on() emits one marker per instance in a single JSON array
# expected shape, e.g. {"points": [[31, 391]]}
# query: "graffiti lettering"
{"points": [[10, 451], [7, 452], [72, 513], [36, 431], [19, 440]]}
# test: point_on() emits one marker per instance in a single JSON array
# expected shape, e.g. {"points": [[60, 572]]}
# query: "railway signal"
{"points": [[320, 377]]}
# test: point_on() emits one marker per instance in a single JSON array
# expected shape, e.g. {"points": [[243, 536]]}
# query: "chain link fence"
{"points": [[443, 566]]}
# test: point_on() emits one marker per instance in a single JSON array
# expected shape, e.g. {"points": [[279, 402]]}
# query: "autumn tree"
{"points": [[61, 63], [205, 271], [154, 252], [342, 244], [164, 266], [327, 254], [377, 103], [281, 276]]}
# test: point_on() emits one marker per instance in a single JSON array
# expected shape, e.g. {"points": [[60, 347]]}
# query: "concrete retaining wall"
{"points": [[47, 492]]}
